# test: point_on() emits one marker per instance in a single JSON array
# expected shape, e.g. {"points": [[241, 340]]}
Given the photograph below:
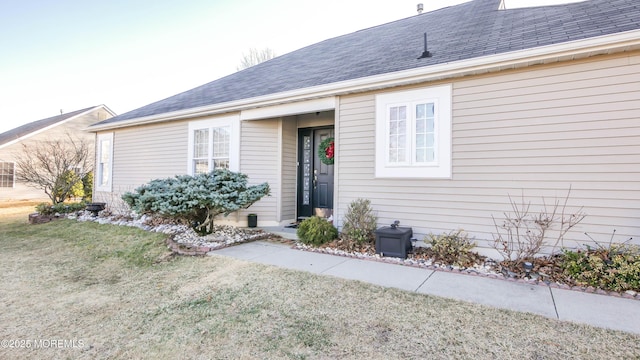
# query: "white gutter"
{"points": [[619, 42]]}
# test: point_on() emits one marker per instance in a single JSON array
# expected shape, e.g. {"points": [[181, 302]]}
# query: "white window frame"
{"points": [[440, 168], [13, 176], [100, 185], [233, 123]]}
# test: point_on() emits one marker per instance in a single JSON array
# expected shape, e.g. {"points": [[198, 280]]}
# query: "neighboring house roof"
{"points": [[471, 30], [28, 129]]}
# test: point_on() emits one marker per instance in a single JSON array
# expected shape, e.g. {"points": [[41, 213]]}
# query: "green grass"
{"points": [[118, 291]]}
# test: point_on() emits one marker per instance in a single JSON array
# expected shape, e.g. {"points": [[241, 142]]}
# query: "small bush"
{"points": [[316, 231], [523, 232], [453, 248], [62, 208], [87, 184], [615, 268], [69, 185], [360, 222]]}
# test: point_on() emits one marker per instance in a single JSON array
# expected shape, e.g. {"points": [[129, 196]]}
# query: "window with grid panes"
{"points": [[413, 133]]}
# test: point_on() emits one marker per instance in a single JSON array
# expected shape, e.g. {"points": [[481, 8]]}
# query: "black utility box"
{"points": [[394, 241], [252, 220]]}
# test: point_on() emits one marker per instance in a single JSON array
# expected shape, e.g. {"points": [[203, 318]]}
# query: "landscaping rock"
{"points": [[184, 240]]}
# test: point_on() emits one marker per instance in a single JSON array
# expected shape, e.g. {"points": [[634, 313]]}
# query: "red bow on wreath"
{"points": [[326, 151], [329, 151]]}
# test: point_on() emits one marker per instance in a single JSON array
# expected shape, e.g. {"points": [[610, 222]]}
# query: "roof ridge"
{"points": [[456, 33], [33, 126]]}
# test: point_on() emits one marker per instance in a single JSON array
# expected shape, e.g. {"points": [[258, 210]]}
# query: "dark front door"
{"points": [[315, 178]]}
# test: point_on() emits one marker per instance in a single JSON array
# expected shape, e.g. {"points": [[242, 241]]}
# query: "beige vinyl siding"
{"points": [[289, 169], [144, 153], [537, 131], [260, 159]]}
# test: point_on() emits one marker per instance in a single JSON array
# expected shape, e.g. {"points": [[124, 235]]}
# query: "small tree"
{"points": [[55, 166], [255, 57], [197, 199]]}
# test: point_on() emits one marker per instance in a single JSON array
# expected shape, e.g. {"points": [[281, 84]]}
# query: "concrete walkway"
{"points": [[567, 305]]}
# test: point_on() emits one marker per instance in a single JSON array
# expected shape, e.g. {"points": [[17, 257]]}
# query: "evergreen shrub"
{"points": [[316, 231], [196, 199]]}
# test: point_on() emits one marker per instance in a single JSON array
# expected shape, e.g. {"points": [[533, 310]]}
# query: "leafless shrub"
{"points": [[116, 206], [55, 166], [523, 233]]}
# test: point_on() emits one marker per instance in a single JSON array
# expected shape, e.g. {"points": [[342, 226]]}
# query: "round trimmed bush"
{"points": [[316, 231]]}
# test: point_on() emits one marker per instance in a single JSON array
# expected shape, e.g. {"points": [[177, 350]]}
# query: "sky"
{"points": [[66, 55]]}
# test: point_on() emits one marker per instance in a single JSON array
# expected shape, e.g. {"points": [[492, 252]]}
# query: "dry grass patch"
{"points": [[115, 289]]}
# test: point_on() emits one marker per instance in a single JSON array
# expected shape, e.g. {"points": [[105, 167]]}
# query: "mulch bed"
{"points": [[546, 270]]}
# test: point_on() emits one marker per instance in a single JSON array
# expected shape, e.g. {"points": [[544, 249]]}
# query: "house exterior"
{"points": [[500, 103], [74, 123]]}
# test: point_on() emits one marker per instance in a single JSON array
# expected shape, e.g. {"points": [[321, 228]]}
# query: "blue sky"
{"points": [[71, 54]]}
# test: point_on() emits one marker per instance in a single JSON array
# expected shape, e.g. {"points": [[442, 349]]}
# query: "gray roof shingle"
{"points": [[34, 126], [465, 31]]}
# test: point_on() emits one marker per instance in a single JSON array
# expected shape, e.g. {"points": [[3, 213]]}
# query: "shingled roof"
{"points": [[26, 129], [469, 30]]}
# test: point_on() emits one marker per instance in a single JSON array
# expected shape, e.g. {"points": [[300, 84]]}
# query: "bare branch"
{"points": [[255, 57], [523, 234], [55, 166]]}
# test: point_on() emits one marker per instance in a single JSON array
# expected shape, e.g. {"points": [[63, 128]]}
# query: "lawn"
{"points": [[90, 291]]}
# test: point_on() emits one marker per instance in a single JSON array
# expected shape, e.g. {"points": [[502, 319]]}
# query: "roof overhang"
{"points": [[607, 44], [36, 132]]}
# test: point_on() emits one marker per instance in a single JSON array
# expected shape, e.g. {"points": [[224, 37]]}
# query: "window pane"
{"points": [[397, 134], [104, 174], [7, 170], [431, 155], [420, 111], [221, 163], [221, 147], [393, 142], [393, 155], [221, 142], [424, 133], [393, 128], [306, 156], [200, 166], [402, 154], [402, 141], [393, 114], [421, 125], [200, 143], [105, 147], [105, 160]]}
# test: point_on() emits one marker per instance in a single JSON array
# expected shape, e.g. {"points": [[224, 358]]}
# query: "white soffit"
{"points": [[295, 108]]}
